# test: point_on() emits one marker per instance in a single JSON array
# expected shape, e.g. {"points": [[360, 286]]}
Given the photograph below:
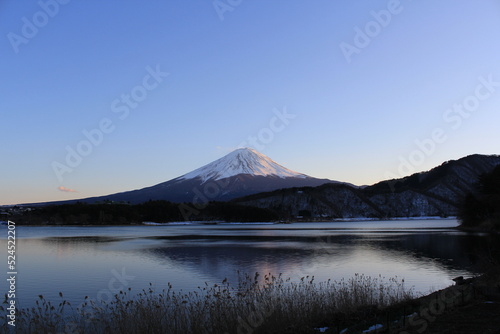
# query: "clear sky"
{"points": [[98, 97]]}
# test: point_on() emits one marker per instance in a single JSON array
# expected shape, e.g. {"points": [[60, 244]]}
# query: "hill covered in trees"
{"points": [[110, 213], [481, 207], [437, 192]]}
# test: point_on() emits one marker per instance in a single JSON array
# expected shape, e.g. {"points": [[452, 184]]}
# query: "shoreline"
{"points": [[477, 229], [455, 309], [470, 306], [284, 222]]}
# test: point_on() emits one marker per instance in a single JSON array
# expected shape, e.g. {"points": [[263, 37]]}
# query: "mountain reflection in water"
{"points": [[82, 261]]}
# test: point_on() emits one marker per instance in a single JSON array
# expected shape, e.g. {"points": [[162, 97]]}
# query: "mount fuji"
{"points": [[242, 161], [239, 173]]}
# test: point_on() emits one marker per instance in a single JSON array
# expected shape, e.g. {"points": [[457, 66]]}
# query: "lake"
{"points": [[99, 261]]}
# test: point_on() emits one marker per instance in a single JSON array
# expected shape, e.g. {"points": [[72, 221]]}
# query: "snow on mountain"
{"points": [[245, 172], [438, 192], [241, 161]]}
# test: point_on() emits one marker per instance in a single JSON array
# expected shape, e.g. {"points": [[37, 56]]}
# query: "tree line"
{"points": [[110, 213], [481, 208]]}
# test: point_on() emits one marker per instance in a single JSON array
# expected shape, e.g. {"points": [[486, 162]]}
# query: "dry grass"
{"points": [[269, 304]]}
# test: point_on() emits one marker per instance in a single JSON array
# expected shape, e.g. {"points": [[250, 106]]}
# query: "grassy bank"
{"points": [[268, 304]]}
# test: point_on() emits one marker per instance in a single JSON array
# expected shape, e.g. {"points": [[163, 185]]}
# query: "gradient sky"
{"points": [[360, 81]]}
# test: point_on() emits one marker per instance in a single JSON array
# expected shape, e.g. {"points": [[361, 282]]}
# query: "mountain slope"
{"points": [[438, 192], [241, 161], [240, 173]]}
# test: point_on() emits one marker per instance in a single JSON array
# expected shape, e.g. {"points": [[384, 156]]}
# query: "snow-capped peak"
{"points": [[241, 161]]}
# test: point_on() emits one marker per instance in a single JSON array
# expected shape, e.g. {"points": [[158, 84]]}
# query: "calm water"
{"points": [[96, 261]]}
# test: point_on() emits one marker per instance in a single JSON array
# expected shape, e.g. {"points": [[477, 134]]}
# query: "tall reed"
{"points": [[254, 304]]}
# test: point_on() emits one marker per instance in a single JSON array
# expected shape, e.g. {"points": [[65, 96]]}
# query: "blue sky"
{"points": [[356, 91]]}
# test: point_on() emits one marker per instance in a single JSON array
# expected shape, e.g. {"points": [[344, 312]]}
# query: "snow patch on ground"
{"points": [[373, 328]]}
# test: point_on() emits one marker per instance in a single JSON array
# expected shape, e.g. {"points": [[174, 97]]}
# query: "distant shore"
{"points": [[23, 220]]}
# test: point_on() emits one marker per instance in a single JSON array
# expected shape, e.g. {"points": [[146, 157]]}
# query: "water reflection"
{"points": [[79, 261], [423, 259]]}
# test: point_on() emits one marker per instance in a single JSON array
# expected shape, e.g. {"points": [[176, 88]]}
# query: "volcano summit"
{"points": [[242, 161], [239, 173]]}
